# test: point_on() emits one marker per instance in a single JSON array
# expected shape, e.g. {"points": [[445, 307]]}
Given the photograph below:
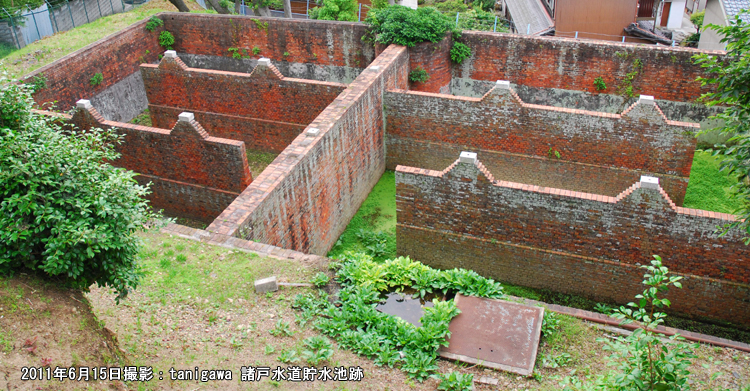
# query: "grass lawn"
{"points": [[42, 52], [708, 188], [197, 307], [374, 225]]}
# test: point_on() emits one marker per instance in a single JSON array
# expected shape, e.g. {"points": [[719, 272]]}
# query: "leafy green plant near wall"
{"points": [[460, 52], [166, 40], [419, 75], [405, 26], [154, 23], [96, 79], [599, 84], [626, 88], [355, 323], [37, 83]]}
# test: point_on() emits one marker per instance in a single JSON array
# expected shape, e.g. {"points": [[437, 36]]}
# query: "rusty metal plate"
{"points": [[495, 334]]}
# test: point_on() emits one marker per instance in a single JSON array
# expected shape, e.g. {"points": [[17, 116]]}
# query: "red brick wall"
{"points": [[257, 134], [571, 242], [435, 58], [115, 57], [194, 175], [305, 199], [262, 94], [668, 73], [306, 41], [422, 128]]}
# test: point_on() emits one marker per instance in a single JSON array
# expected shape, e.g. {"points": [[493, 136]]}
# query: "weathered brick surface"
{"points": [[668, 73], [568, 241], [193, 175], [263, 94], [258, 134], [304, 200], [187, 200], [435, 58], [533, 170], [115, 57], [185, 153], [306, 41], [423, 126]]}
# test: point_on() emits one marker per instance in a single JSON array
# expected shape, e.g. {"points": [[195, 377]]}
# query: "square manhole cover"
{"points": [[495, 334]]}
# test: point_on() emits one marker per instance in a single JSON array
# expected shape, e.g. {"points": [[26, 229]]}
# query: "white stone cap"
{"points": [[375, 68], [649, 182], [312, 132], [170, 54], [186, 117], [646, 99], [468, 157], [84, 104], [265, 62], [503, 84]]}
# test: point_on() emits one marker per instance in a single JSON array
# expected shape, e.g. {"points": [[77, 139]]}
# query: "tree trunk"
{"points": [[180, 5], [215, 5], [237, 5], [260, 10], [288, 9]]}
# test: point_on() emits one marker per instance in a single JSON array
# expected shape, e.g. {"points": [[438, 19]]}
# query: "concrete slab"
{"points": [[495, 334], [266, 285]]}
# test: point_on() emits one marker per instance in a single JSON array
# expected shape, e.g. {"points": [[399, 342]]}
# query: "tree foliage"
{"points": [[343, 10], [65, 213], [405, 26], [730, 77]]}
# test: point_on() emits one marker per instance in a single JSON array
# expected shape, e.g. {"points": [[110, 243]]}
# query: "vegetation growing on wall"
{"points": [[419, 75], [166, 40], [460, 52]]}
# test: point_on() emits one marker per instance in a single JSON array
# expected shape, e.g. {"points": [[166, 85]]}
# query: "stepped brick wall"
{"points": [[571, 242], [195, 175], [264, 109], [304, 200], [604, 152]]}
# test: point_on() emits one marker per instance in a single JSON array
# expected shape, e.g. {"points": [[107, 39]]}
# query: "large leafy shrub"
{"points": [[65, 212], [344, 10], [405, 26]]}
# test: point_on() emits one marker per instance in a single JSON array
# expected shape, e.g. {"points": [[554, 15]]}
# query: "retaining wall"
{"points": [[549, 62], [116, 57], [571, 242], [598, 152], [304, 200]]}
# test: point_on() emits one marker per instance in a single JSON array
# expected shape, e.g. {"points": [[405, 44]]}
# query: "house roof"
{"points": [[529, 16], [733, 7]]}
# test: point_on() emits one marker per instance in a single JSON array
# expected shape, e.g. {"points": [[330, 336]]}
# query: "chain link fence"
{"points": [[20, 27]]}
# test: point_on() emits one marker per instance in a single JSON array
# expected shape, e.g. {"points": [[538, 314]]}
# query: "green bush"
{"points": [[154, 23], [476, 19], [343, 10], [419, 75], [599, 84], [460, 52], [65, 214], [452, 6], [166, 40], [405, 26], [97, 79], [697, 19]]}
